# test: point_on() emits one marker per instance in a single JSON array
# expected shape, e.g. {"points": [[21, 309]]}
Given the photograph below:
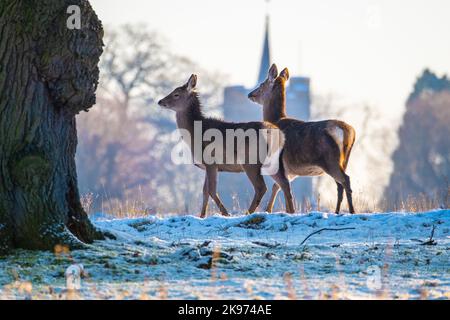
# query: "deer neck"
{"points": [[192, 113], [274, 108]]}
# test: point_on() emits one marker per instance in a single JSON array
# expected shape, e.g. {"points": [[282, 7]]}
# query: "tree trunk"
{"points": [[48, 74]]}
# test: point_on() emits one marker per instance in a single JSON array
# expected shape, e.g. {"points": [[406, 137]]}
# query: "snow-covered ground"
{"points": [[260, 256]]}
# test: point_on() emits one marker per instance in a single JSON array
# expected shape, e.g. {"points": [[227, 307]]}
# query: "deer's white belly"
{"points": [[303, 170]]}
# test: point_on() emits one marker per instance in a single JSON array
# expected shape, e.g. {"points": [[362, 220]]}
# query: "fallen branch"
{"points": [[325, 229], [430, 241], [267, 245]]}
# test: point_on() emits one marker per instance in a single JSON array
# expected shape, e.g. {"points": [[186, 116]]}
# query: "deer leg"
{"points": [[285, 185], [344, 180], [253, 173], [273, 196], [211, 172], [348, 193], [340, 196], [205, 197]]}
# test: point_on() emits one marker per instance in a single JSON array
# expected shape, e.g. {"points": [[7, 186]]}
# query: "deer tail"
{"points": [[344, 136], [349, 140]]}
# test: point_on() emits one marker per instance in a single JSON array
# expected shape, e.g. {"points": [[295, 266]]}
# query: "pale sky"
{"points": [[367, 51]]}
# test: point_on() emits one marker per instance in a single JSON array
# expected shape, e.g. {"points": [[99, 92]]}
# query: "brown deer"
{"points": [[185, 102], [311, 148]]}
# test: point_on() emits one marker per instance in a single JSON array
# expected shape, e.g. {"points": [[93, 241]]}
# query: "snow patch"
{"points": [[248, 257]]}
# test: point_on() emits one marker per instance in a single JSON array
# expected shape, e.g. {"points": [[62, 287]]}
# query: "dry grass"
{"points": [[338, 290], [137, 208], [118, 208], [416, 203]]}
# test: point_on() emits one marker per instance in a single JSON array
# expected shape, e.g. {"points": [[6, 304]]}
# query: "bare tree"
{"points": [[125, 145]]}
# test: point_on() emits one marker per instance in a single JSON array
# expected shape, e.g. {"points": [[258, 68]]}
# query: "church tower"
{"points": [[266, 60], [235, 189]]}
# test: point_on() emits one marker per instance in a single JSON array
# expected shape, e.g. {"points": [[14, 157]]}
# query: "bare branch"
{"points": [[324, 229]]}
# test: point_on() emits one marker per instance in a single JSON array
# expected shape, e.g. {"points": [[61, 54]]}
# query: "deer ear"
{"points": [[192, 82], [273, 72], [285, 74]]}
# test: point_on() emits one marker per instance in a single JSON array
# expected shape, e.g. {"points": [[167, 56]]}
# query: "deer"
{"points": [[185, 101], [310, 148]]}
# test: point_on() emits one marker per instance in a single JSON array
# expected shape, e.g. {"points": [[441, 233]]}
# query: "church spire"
{"points": [[265, 58]]}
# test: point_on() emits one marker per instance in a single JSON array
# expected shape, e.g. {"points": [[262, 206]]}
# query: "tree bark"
{"points": [[48, 74]]}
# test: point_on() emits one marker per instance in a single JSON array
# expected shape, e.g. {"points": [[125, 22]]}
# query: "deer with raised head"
{"points": [[185, 102], [311, 148]]}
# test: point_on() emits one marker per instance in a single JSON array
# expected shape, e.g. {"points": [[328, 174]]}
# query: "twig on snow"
{"points": [[324, 229], [430, 241]]}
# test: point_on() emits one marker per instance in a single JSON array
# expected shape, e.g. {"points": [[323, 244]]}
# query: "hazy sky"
{"points": [[361, 50]]}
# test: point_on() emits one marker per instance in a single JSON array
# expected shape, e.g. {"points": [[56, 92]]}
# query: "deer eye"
{"points": [[176, 95]]}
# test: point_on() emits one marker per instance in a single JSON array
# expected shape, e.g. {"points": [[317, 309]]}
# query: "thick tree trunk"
{"points": [[48, 74]]}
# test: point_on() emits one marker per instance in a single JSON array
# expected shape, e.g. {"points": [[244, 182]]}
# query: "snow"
{"points": [[259, 256]]}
